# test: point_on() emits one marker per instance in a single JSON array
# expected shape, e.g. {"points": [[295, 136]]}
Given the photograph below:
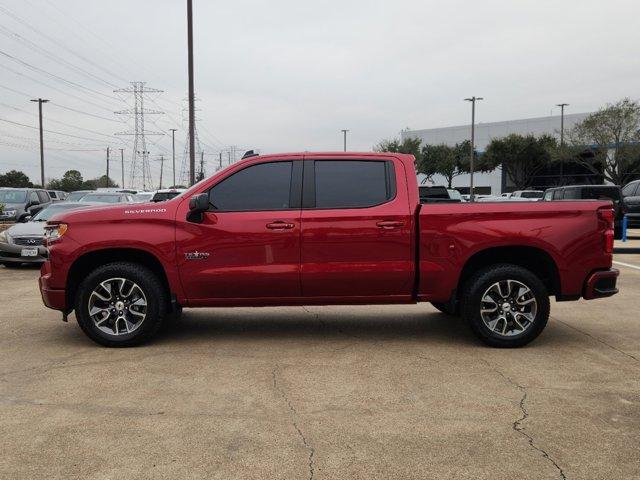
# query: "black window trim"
{"points": [[295, 187], [309, 182]]}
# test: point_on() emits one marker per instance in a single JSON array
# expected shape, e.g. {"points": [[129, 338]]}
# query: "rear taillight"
{"points": [[606, 215]]}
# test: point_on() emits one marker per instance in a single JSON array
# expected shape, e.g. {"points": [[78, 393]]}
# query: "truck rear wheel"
{"points": [[505, 305], [121, 304]]}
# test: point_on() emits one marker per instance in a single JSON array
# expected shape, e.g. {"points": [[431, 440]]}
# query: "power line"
{"points": [[52, 56], [51, 131], [61, 122], [59, 44], [53, 75], [83, 100]]}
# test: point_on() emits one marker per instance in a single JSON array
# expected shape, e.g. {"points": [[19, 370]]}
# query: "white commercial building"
{"points": [[491, 182]]}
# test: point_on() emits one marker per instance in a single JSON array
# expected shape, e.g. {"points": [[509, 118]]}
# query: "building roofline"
{"points": [[502, 122]]}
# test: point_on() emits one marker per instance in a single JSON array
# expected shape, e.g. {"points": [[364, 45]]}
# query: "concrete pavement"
{"points": [[323, 393]]}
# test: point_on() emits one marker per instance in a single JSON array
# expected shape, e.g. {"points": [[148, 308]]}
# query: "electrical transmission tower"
{"points": [[184, 168], [140, 169]]}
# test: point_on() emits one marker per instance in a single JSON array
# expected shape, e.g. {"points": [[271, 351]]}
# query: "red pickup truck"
{"points": [[319, 229]]}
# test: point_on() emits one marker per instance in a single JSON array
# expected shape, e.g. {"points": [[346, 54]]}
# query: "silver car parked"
{"points": [[24, 242]]}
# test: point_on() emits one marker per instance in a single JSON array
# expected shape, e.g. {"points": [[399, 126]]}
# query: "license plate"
{"points": [[29, 252]]}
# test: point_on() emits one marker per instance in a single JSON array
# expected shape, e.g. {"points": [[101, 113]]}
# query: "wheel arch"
{"points": [[87, 262], [535, 259]]}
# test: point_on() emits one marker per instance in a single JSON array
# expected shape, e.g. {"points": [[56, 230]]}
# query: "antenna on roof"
{"points": [[249, 153]]}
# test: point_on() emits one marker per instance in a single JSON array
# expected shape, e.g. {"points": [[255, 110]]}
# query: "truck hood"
{"points": [[26, 229], [120, 212]]}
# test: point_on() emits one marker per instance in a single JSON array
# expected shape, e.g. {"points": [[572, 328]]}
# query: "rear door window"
{"points": [[353, 183], [572, 194], [43, 196], [631, 189], [601, 193], [548, 195]]}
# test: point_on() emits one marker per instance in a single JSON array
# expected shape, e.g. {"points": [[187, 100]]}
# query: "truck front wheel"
{"points": [[121, 304], [505, 305]]}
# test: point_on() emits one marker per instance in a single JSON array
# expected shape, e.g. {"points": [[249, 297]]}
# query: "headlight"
{"points": [[3, 237], [53, 233]]}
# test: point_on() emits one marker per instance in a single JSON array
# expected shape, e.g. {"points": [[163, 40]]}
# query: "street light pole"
{"points": [[562, 105], [122, 164], [107, 179], [173, 153], [473, 101], [344, 134], [40, 102]]}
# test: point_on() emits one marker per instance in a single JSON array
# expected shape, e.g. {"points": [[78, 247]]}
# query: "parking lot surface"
{"points": [[321, 392]]}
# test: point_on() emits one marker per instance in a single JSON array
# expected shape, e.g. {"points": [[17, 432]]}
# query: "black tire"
{"points": [[148, 283], [478, 285], [446, 308]]}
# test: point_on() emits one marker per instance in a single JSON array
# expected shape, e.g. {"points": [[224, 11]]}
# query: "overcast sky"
{"points": [[288, 75]]}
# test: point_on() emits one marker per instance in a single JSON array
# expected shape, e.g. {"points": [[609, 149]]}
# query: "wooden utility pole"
{"points": [[40, 102]]}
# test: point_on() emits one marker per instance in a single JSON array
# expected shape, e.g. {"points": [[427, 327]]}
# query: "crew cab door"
{"points": [[356, 229], [248, 243]]}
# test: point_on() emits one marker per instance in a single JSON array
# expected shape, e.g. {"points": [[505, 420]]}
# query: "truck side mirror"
{"points": [[198, 204]]}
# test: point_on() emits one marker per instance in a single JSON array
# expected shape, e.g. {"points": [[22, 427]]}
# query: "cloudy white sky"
{"points": [[288, 75]]}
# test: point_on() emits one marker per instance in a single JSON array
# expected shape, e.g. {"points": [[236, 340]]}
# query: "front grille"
{"points": [[28, 241]]}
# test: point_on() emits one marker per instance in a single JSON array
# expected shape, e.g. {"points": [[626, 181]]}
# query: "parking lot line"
{"points": [[627, 265]]}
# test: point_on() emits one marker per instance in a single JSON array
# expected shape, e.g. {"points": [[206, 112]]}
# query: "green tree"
{"points": [[70, 181], [613, 135], [521, 156], [450, 162], [406, 145], [16, 179], [100, 182]]}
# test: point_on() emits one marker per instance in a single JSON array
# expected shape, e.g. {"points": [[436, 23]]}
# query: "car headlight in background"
{"points": [[54, 232]]}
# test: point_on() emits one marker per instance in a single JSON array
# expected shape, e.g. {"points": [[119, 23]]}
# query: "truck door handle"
{"points": [[389, 224], [280, 225]]}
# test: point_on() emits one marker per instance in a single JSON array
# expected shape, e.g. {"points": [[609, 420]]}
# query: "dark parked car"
{"points": [[631, 199], [20, 203], [438, 194], [592, 192]]}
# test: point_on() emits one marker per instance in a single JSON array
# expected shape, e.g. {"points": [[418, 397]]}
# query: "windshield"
{"points": [[532, 194], [142, 197], [162, 196], [454, 194], [49, 212], [75, 196], [101, 198], [13, 196]]}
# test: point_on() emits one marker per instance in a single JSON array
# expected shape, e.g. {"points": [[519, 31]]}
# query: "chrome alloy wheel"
{"points": [[117, 306], [508, 308]]}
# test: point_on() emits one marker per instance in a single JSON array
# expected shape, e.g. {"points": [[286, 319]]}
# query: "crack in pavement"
{"points": [[517, 425], [597, 339], [294, 412]]}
